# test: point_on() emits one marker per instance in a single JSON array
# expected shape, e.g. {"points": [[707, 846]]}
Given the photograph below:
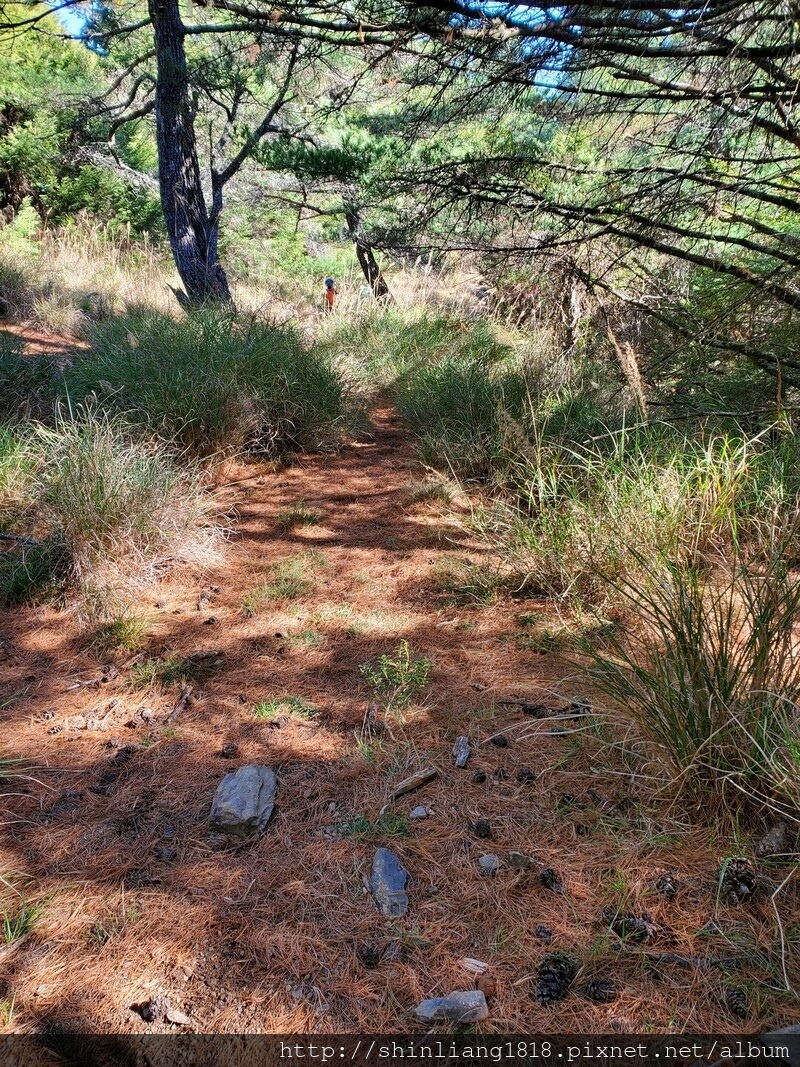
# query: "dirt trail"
{"points": [[111, 827]]}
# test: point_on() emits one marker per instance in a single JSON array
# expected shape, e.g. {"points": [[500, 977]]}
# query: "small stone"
{"points": [[177, 1017], [489, 864], [520, 861], [482, 828], [543, 933], [473, 966], [487, 985], [167, 854], [468, 1006], [499, 741], [388, 883], [155, 1010], [244, 800], [420, 812], [525, 775], [461, 751], [774, 842]]}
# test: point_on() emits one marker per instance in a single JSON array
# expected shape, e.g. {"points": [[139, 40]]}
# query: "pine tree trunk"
{"points": [[192, 233], [365, 255]]}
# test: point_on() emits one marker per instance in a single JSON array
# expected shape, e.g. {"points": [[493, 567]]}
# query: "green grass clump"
{"points": [[710, 673], [171, 670], [396, 678], [297, 515], [293, 705], [19, 922], [288, 579], [127, 631], [464, 582], [212, 385], [387, 825], [95, 510], [121, 508]]}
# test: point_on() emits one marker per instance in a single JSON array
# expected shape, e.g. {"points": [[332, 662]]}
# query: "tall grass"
{"points": [[710, 672], [104, 512], [212, 386], [574, 488]]}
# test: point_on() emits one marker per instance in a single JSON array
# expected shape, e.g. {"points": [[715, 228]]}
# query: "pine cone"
{"points": [[600, 990], [556, 972], [629, 927], [551, 880], [544, 933], [737, 879], [736, 1001], [667, 886], [482, 828], [369, 955]]}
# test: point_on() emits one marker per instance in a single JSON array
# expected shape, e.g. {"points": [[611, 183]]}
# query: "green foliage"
{"points": [[102, 194], [710, 673], [212, 386], [396, 678], [293, 705], [17, 239]]}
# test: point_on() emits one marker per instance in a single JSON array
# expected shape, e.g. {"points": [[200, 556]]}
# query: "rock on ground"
{"points": [[244, 800], [388, 883], [468, 1006]]}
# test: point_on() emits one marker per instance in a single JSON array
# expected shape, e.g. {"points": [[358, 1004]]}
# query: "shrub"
{"points": [[710, 672], [212, 386], [397, 678]]}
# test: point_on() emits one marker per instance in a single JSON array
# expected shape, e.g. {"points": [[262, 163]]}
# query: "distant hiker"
{"points": [[330, 294]]}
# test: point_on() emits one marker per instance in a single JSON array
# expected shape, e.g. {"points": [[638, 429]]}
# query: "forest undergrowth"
{"points": [[611, 597]]}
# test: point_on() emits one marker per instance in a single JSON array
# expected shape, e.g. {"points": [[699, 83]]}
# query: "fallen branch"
{"points": [[183, 703]]}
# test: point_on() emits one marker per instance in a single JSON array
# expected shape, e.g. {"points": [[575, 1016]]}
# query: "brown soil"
{"points": [[108, 825], [38, 343]]}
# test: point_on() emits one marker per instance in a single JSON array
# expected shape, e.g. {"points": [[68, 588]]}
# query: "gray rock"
{"points": [[468, 1006], [420, 812], [489, 864], [388, 883], [244, 800], [461, 751], [774, 842], [521, 861]]}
